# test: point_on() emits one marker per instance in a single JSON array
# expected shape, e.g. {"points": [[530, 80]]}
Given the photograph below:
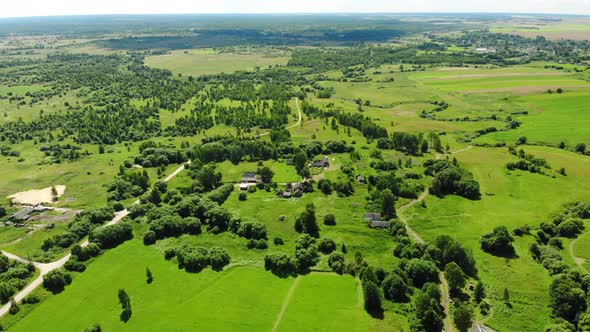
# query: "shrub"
{"points": [[257, 244], [570, 228], [330, 220], [56, 281], [421, 271], [395, 288], [498, 242], [252, 230], [336, 262], [149, 238], [111, 236], [243, 197], [218, 258], [326, 245], [278, 241], [279, 264], [74, 265]]}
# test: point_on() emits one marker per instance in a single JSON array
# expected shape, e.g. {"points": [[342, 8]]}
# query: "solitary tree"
{"points": [[125, 305], [506, 295], [455, 277], [387, 204], [463, 316], [479, 292], [372, 298], [149, 276]]}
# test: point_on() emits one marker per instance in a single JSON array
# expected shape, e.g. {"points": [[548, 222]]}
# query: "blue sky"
{"points": [[16, 8]]}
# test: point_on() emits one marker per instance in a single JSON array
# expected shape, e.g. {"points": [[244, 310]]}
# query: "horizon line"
{"points": [[295, 14]]}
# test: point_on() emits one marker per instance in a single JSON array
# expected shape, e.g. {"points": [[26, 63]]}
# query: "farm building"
{"points": [[250, 177], [379, 224], [370, 216], [321, 163], [23, 215]]}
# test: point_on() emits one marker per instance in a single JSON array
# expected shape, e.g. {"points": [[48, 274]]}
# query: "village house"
{"points": [[251, 177], [375, 221], [321, 163]]}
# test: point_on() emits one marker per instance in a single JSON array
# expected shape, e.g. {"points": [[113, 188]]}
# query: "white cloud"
{"points": [[73, 7]]}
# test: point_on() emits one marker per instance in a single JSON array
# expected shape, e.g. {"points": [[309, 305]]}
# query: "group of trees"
{"points": [[570, 286], [195, 259], [80, 227], [307, 223], [527, 162], [14, 275], [449, 178]]}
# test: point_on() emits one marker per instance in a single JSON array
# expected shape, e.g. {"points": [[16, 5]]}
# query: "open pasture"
{"points": [[552, 118], [239, 298]]}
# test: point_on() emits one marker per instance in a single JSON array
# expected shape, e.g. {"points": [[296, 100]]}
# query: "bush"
{"points": [[218, 258], [326, 245], [174, 226], [395, 288], [498, 242], [243, 197], [278, 241], [257, 244], [279, 264], [330, 220], [149, 238], [252, 230], [56, 281], [570, 228], [336, 262], [111, 236], [31, 299], [74, 265], [421, 271]]}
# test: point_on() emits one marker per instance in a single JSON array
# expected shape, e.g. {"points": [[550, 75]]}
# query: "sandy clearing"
{"points": [[37, 196]]}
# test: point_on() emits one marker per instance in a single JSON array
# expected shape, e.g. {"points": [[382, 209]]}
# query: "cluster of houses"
{"points": [[320, 163], [292, 190]]}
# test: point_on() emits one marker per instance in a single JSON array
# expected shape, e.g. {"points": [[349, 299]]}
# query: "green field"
{"points": [[207, 62], [511, 199], [552, 118], [193, 301]]}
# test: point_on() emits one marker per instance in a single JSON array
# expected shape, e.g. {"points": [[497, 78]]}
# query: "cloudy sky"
{"points": [[16, 8]]}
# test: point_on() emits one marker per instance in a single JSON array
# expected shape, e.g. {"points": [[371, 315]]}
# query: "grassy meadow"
{"points": [[194, 301], [207, 62]]}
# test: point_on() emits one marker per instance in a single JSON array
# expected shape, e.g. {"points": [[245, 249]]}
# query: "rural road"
{"points": [[45, 268]]}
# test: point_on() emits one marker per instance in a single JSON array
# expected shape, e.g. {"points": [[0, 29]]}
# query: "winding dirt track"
{"points": [[446, 300]]}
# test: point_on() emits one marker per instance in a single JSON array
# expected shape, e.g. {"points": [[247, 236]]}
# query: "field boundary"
{"points": [[285, 304]]}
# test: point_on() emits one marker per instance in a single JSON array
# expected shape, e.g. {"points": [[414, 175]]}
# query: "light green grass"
{"points": [[334, 296], [240, 298], [199, 62], [9, 234], [552, 118]]}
